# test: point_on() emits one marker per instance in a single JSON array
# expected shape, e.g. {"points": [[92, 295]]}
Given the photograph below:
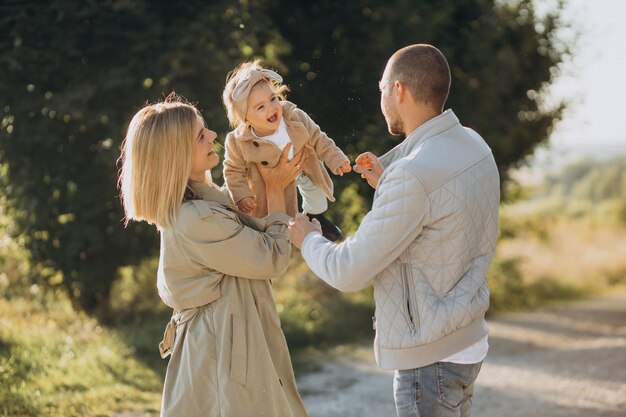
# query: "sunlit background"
{"points": [[79, 315], [593, 84]]}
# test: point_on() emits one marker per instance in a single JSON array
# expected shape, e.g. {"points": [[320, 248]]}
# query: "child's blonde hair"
{"points": [[235, 116], [156, 161]]}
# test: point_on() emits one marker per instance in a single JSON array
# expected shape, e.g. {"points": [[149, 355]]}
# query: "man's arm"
{"points": [[396, 219]]}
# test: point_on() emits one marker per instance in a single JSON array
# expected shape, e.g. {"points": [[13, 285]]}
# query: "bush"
{"points": [[509, 291]]}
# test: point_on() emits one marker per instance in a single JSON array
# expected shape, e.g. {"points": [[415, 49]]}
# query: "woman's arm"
{"points": [[215, 238]]}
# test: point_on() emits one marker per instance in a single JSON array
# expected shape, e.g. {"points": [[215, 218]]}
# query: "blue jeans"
{"points": [[442, 389]]}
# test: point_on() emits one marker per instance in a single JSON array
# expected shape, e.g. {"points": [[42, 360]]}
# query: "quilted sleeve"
{"points": [[396, 219]]}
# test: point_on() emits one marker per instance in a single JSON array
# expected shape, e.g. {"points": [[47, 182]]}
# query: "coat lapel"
{"points": [[211, 192]]}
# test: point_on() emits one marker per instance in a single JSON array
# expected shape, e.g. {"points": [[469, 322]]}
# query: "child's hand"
{"points": [[247, 205], [344, 168]]}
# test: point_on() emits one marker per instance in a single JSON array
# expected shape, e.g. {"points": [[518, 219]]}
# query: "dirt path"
{"points": [[566, 361]]}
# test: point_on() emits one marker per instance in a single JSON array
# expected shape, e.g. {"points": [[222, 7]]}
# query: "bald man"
{"points": [[425, 245]]}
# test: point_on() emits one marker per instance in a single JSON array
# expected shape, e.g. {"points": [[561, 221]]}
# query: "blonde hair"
{"points": [[234, 116], [156, 161]]}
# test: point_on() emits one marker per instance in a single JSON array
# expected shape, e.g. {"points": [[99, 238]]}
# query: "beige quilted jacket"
{"points": [[425, 245]]}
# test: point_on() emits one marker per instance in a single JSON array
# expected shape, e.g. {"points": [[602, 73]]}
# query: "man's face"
{"points": [[388, 105]]}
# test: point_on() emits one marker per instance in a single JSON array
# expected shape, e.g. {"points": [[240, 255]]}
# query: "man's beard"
{"points": [[395, 126]]}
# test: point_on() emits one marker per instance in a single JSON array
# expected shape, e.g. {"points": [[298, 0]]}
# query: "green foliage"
{"points": [[71, 76], [314, 314], [73, 73], [134, 293], [501, 55], [60, 363], [589, 179], [536, 224], [587, 189], [510, 292]]}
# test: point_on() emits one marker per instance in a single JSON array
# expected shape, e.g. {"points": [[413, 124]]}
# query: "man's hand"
{"points": [[370, 168], [247, 205], [300, 227], [344, 168]]}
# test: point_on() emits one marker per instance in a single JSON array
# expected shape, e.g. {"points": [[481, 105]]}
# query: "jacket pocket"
{"points": [[409, 302], [239, 351]]}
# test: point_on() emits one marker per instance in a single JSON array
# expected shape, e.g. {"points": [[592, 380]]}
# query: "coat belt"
{"points": [[178, 317]]}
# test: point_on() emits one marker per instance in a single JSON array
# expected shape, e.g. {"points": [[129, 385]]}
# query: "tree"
{"points": [[73, 73], [501, 55]]}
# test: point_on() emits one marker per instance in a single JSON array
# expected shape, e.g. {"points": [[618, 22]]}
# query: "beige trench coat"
{"points": [[244, 151], [229, 357]]}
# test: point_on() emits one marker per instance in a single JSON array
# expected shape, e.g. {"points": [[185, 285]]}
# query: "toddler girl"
{"points": [[264, 123]]}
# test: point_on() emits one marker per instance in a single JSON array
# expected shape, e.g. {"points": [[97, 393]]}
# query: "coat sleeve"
{"points": [[235, 171], [396, 219], [324, 146], [216, 239]]}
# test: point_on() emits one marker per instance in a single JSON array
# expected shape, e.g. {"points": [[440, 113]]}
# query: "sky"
{"points": [[593, 81]]}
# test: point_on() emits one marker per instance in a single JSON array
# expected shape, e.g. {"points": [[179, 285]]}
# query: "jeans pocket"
{"points": [[239, 354], [452, 380]]}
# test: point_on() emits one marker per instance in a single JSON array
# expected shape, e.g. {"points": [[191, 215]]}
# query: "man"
{"points": [[425, 245]]}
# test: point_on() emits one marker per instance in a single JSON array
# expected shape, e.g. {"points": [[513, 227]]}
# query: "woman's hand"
{"points": [[280, 176], [370, 168]]}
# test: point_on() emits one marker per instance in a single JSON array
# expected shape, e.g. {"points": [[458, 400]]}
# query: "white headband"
{"points": [[248, 80]]}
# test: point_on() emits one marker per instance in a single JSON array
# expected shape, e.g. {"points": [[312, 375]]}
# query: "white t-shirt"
{"points": [[471, 354], [280, 137]]}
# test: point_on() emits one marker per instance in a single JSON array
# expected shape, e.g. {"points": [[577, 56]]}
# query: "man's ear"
{"points": [[400, 91]]}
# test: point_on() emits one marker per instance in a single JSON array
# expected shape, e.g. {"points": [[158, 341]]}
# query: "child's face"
{"points": [[264, 109]]}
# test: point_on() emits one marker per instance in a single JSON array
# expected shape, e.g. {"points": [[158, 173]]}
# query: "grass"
{"points": [[550, 251], [57, 362]]}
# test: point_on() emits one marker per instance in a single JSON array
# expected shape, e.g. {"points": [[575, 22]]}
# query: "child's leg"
{"points": [[313, 199], [314, 203]]}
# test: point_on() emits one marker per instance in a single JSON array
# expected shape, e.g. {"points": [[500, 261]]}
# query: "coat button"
{"points": [[263, 162], [256, 143]]}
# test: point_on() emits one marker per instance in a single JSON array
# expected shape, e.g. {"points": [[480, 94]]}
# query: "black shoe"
{"points": [[329, 230]]}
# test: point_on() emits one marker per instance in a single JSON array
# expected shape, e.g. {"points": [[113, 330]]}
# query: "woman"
{"points": [[229, 356]]}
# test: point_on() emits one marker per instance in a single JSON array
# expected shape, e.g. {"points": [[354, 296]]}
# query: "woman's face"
{"points": [[264, 109], [204, 157]]}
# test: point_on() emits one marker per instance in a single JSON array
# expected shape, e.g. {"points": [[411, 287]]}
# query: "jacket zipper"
{"points": [[407, 297]]}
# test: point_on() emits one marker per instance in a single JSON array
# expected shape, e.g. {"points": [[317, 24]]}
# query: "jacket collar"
{"points": [[211, 192], [427, 130]]}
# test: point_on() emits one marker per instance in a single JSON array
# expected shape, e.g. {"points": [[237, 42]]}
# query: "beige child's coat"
{"points": [[244, 151]]}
